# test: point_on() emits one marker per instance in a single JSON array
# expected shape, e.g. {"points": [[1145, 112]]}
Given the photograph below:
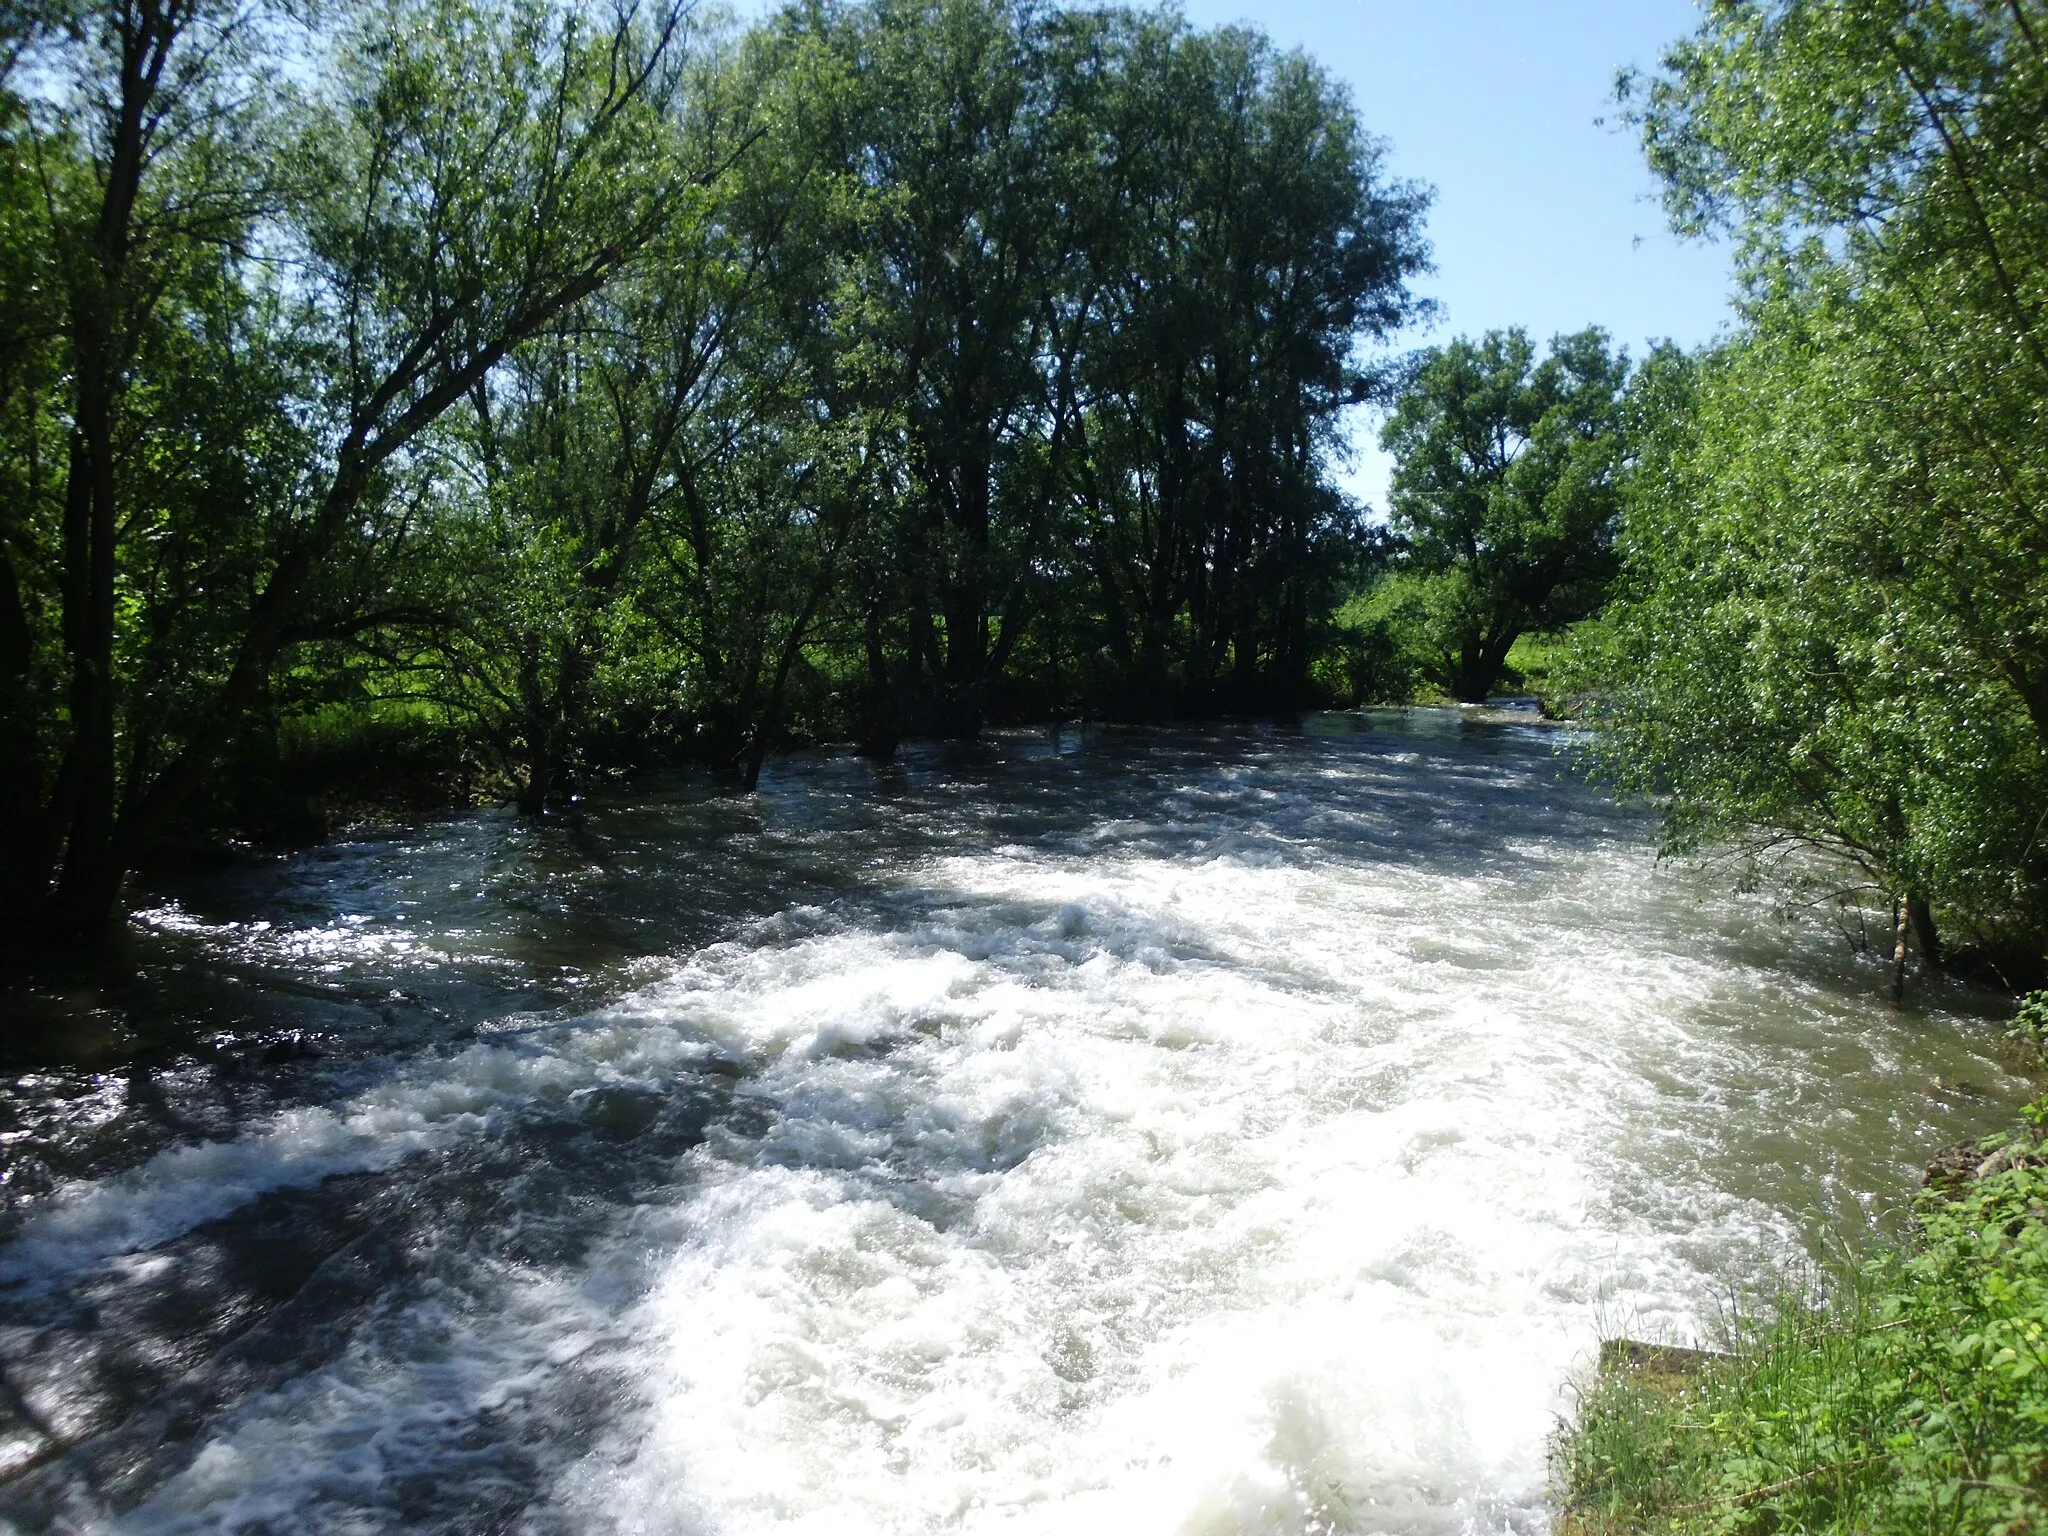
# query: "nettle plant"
{"points": [[2029, 1027]]}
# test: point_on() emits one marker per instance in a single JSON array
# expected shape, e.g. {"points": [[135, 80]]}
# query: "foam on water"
{"points": [[1185, 1210], [1089, 1189]]}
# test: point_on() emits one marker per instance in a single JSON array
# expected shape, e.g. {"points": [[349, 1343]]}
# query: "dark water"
{"points": [[1225, 1131]]}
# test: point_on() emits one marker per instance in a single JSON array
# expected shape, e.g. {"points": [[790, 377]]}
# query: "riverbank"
{"points": [[1907, 1395]]}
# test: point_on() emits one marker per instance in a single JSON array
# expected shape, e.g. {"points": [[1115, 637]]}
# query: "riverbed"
{"points": [[1205, 1131]]}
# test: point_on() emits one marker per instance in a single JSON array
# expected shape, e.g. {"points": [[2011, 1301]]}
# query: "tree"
{"points": [[1506, 488], [887, 366], [584, 444], [1887, 161], [1256, 241], [475, 171], [779, 474], [1835, 631], [150, 178], [1765, 669], [31, 447], [953, 116]]}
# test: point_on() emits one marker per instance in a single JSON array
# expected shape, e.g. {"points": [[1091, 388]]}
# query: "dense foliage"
{"points": [[1834, 626], [1909, 1397], [1506, 491], [564, 387]]}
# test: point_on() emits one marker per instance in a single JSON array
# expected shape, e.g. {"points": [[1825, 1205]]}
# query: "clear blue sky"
{"points": [[1543, 218]]}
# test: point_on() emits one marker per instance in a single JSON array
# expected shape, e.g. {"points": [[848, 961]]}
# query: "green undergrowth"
{"points": [[1910, 1395]]}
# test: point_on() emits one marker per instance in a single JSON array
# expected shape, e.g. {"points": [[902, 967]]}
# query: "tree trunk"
{"points": [[88, 888], [879, 730], [1479, 667], [1016, 618], [540, 779], [1902, 929], [771, 711], [25, 844], [792, 650], [966, 607], [960, 692], [95, 856], [1925, 934]]}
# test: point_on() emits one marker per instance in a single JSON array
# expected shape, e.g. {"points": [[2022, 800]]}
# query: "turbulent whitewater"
{"points": [[1208, 1133]]}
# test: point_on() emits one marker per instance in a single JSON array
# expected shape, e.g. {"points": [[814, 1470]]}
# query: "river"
{"points": [[1198, 1131]]}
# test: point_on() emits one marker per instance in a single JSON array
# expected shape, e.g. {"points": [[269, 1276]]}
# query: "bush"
{"points": [[2029, 1027], [1377, 652]]}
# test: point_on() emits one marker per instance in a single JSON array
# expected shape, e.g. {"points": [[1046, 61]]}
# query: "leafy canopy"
{"points": [[1506, 488]]}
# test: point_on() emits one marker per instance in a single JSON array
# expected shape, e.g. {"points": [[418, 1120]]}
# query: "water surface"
{"points": [[1244, 1130]]}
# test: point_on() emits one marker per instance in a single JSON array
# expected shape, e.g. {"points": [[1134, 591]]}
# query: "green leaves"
{"points": [[600, 390], [270, 293], [1904, 1397], [476, 169], [1250, 243], [2029, 1027], [1506, 487], [1834, 631]]}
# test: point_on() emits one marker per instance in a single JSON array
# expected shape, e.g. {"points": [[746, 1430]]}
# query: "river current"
{"points": [[1194, 1132]]}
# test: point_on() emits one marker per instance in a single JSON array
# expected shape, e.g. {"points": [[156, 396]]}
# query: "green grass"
{"points": [[1910, 1395], [1531, 658], [374, 757]]}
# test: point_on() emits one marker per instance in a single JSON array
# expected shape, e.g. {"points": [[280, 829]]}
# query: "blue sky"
{"points": [[1543, 218]]}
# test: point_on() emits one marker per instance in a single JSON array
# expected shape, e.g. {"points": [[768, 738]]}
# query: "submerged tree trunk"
{"points": [[1925, 934], [1902, 930], [1912, 923], [962, 683], [792, 652], [554, 707], [880, 730]]}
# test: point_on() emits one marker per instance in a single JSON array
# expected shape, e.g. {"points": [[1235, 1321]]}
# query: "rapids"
{"points": [[1192, 1132]]}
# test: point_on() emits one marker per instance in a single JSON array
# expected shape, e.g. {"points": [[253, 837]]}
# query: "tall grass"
{"points": [[1910, 1395]]}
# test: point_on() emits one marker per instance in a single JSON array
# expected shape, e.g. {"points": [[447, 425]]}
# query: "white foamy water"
{"points": [[1273, 1182], [1251, 1223]]}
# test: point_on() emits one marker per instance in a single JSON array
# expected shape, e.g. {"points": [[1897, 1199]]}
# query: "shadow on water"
{"points": [[244, 990], [144, 1355]]}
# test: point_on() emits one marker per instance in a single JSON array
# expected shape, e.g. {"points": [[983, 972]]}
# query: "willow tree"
{"points": [[1507, 485], [1876, 618], [1767, 671], [780, 472], [951, 116], [146, 152], [1252, 244], [31, 372], [463, 173], [564, 638]]}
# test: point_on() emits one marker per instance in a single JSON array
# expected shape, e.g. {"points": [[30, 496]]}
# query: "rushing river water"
{"points": [[1208, 1133]]}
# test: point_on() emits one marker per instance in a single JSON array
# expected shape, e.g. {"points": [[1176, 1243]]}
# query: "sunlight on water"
{"points": [[1251, 1140]]}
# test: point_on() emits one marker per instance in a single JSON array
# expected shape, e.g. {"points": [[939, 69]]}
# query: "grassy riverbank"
{"points": [[1909, 1396]]}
